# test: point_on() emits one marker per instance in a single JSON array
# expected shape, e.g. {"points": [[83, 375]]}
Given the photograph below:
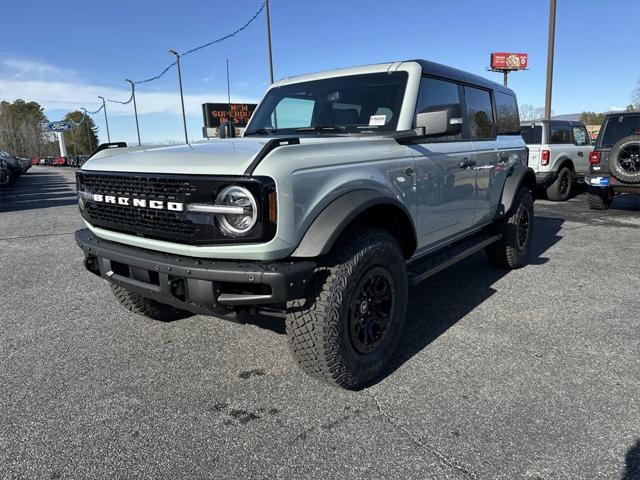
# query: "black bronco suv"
{"points": [[615, 161]]}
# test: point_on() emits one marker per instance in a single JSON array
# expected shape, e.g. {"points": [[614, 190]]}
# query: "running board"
{"points": [[423, 268]]}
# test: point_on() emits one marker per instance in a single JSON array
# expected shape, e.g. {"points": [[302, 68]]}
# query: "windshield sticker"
{"points": [[376, 120]]}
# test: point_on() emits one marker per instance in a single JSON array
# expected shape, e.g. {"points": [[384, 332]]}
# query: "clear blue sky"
{"points": [[63, 54]]}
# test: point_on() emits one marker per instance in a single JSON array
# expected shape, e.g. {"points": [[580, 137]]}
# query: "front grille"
{"points": [[135, 219], [156, 188], [194, 228]]}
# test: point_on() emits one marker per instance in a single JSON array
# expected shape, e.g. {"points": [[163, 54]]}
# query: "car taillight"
{"points": [[544, 160], [594, 157]]}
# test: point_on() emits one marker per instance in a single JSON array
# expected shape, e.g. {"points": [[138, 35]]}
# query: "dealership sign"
{"points": [[60, 126], [509, 61], [214, 113]]}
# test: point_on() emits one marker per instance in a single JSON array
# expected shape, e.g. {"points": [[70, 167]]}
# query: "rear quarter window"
{"points": [[507, 113], [531, 134]]}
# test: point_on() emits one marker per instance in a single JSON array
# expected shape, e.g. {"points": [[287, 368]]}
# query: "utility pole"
{"points": [[184, 117], [88, 128], [106, 120], [269, 42], [135, 107], [229, 126], [550, 45]]}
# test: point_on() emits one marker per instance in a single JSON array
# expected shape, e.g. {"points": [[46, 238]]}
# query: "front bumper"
{"points": [[210, 287]]}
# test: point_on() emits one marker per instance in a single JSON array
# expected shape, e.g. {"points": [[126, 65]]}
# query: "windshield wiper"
{"points": [[261, 130], [322, 128]]}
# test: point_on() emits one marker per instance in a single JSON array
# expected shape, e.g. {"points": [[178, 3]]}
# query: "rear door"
{"points": [[482, 132]]}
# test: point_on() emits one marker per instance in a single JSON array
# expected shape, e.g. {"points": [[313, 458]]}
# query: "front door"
{"points": [[445, 172]]}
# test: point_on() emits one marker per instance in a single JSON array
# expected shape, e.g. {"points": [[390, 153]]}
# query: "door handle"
{"points": [[466, 163], [580, 154]]}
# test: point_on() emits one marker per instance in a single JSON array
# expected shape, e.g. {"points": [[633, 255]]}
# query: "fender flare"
{"points": [[519, 175], [332, 221]]}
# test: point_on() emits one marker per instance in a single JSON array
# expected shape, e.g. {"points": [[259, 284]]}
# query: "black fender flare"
{"points": [[332, 221], [518, 175]]}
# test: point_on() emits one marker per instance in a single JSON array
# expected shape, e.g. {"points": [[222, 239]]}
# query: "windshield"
{"points": [[351, 104]]}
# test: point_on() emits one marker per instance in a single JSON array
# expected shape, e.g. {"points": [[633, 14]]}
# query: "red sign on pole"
{"points": [[509, 61]]}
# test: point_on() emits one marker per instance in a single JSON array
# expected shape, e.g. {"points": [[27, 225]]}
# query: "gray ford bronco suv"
{"points": [[348, 187]]}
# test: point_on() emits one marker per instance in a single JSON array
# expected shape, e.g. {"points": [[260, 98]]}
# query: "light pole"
{"points": [[135, 107], [184, 117], [550, 45], [106, 121], [269, 42]]}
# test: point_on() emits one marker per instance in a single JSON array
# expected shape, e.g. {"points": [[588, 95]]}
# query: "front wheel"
{"points": [[346, 329], [7, 178], [512, 250]]}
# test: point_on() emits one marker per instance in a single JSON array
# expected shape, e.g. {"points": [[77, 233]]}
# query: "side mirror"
{"points": [[440, 120]]}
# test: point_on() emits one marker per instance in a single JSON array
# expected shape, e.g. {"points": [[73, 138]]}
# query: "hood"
{"points": [[223, 157], [216, 157]]}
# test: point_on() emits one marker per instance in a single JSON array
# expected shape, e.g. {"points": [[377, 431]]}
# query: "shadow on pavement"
{"points": [[35, 190], [442, 300], [632, 463]]}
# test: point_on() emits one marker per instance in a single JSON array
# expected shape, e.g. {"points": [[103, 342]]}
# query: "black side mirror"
{"points": [[440, 120]]}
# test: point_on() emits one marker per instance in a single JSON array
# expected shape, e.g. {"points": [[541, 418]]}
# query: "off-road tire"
{"points": [[318, 326], [7, 178], [560, 189], [615, 166], [511, 251], [147, 307], [600, 200]]}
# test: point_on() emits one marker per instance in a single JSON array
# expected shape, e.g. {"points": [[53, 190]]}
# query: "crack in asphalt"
{"points": [[39, 235], [450, 462]]}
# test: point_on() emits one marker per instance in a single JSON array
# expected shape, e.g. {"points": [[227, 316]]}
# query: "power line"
{"points": [[208, 44]]}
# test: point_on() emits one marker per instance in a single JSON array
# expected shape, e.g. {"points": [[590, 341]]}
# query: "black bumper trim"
{"points": [[204, 280], [544, 179]]}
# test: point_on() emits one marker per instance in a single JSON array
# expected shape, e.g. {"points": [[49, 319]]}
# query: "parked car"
{"points": [[558, 153], [615, 161], [373, 179], [60, 161], [48, 161], [12, 167], [35, 161]]}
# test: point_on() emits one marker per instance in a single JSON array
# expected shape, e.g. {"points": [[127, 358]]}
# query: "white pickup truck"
{"points": [[558, 154]]}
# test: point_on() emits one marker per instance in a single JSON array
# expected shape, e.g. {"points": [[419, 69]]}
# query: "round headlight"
{"points": [[237, 224]]}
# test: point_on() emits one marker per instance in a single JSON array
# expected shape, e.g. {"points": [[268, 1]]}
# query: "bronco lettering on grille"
{"points": [[139, 202]]}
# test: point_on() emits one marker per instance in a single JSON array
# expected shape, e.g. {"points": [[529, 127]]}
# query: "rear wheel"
{"points": [[346, 329], [600, 199], [560, 190], [512, 250], [624, 159], [147, 307]]}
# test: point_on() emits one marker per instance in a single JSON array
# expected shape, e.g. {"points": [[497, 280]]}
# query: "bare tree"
{"points": [[529, 112]]}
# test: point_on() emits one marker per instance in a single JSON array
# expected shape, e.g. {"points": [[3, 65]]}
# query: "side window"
{"points": [[580, 136], [507, 113], [293, 113], [479, 112], [434, 93], [559, 134]]}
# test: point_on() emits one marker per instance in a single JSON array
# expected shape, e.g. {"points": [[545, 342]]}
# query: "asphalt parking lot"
{"points": [[531, 374]]}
